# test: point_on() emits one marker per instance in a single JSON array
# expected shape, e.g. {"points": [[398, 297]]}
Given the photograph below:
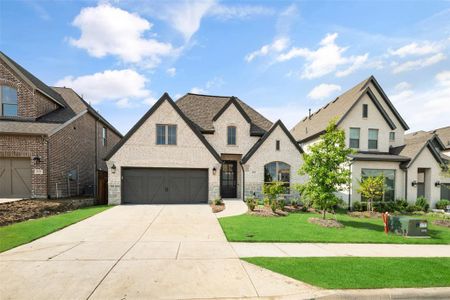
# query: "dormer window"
{"points": [[8, 101], [365, 111], [231, 135]]}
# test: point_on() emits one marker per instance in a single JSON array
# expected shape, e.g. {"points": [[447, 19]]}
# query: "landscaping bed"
{"points": [[361, 272], [22, 210], [326, 222]]}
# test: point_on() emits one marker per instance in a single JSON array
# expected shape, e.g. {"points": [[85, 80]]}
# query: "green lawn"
{"points": [[361, 272], [24, 232], [295, 228]]}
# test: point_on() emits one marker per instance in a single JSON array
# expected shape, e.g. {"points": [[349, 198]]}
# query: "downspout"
{"points": [[406, 184], [96, 158], [350, 186], [243, 180]]}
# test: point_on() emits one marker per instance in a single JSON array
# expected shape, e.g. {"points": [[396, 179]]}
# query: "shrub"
{"points": [[357, 206], [281, 204], [295, 202], [442, 204], [251, 203], [218, 201], [412, 208], [274, 205], [401, 204], [422, 204], [266, 202]]}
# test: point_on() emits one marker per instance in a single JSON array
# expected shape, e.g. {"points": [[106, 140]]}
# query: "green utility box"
{"points": [[409, 227]]}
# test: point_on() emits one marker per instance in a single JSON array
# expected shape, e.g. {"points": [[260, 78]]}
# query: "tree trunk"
{"points": [[323, 213]]}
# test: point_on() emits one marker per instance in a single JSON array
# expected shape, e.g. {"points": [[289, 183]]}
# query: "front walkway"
{"points": [[147, 252]]}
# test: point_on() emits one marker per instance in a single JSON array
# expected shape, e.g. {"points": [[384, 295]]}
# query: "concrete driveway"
{"points": [[131, 252]]}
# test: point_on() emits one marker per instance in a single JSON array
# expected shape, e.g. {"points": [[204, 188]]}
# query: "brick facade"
{"points": [[74, 147], [31, 104], [28, 147]]}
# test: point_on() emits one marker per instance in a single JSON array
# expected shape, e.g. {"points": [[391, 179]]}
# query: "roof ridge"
{"points": [[206, 95]]}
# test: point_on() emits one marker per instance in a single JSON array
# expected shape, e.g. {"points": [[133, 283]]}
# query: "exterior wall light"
{"points": [[214, 170], [437, 183], [113, 169], [36, 159], [414, 183]]}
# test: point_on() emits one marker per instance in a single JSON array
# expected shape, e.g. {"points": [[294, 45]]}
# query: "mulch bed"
{"points": [[217, 208], [18, 211], [364, 214], [444, 223], [325, 223], [264, 211]]}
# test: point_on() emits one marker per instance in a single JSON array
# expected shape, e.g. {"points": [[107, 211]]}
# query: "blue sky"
{"points": [[280, 57]]}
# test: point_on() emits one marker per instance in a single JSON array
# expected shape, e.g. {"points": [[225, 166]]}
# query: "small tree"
{"points": [[327, 166], [371, 188], [273, 189]]}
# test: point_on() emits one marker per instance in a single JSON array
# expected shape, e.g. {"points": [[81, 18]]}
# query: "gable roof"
{"points": [[203, 109], [414, 145], [312, 126], [164, 97], [32, 80], [444, 135], [264, 138]]}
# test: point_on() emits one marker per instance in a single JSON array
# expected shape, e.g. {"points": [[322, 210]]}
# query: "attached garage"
{"points": [[164, 186], [15, 178]]}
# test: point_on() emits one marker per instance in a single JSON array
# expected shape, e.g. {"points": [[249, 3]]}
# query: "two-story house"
{"points": [[376, 131], [52, 143], [199, 148]]}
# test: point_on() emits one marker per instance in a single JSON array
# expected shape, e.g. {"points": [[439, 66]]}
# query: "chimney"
{"points": [[309, 114]]}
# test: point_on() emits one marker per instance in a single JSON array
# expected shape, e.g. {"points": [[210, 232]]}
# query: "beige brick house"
{"points": [[52, 143], [411, 164], [199, 148]]}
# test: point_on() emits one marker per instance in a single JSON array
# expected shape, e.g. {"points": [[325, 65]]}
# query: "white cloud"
{"points": [[426, 109], [149, 100], [290, 113], [185, 16], [418, 63], [198, 90], [403, 86], [414, 48], [107, 30], [171, 72], [326, 59], [323, 90], [119, 86], [225, 12], [125, 103], [278, 45]]}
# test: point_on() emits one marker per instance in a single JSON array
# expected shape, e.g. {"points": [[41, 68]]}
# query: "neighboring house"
{"points": [[52, 143], [200, 148], [375, 129]]}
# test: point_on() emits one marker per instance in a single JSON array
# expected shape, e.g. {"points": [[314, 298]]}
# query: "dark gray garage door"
{"points": [[15, 178], [164, 186]]}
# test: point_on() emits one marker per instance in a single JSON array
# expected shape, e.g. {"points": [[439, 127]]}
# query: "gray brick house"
{"points": [[52, 143]]}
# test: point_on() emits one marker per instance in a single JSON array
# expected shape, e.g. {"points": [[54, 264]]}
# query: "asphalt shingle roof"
{"points": [[201, 109], [318, 121]]}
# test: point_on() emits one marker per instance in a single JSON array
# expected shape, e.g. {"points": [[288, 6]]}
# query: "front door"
{"points": [[228, 179]]}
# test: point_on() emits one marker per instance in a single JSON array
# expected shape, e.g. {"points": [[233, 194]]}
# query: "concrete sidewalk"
{"points": [[331, 249]]}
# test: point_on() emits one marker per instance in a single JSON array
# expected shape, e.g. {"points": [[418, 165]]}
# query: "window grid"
{"points": [[354, 138], [231, 135], [392, 136], [166, 134], [8, 101], [365, 111], [373, 139], [104, 136]]}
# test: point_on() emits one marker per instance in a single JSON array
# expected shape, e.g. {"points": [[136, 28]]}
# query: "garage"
{"points": [[164, 186], [15, 178]]}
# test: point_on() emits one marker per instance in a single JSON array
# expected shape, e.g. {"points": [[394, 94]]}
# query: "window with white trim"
{"points": [[166, 134]]}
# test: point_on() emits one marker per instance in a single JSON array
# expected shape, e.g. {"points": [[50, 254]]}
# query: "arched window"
{"points": [[8, 101], [277, 171]]}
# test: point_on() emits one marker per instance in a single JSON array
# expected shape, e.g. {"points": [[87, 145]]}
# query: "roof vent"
{"points": [[309, 114]]}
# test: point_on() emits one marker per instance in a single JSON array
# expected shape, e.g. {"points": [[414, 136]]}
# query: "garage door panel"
{"points": [[15, 177], [164, 186]]}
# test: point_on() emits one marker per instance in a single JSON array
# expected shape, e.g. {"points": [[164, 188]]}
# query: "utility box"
{"points": [[409, 227]]}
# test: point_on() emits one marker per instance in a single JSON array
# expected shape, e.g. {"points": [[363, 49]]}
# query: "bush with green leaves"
{"points": [[281, 203], [357, 206], [422, 203], [401, 204], [412, 208], [274, 205], [442, 204], [372, 188], [273, 189], [252, 202], [218, 201], [266, 201]]}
